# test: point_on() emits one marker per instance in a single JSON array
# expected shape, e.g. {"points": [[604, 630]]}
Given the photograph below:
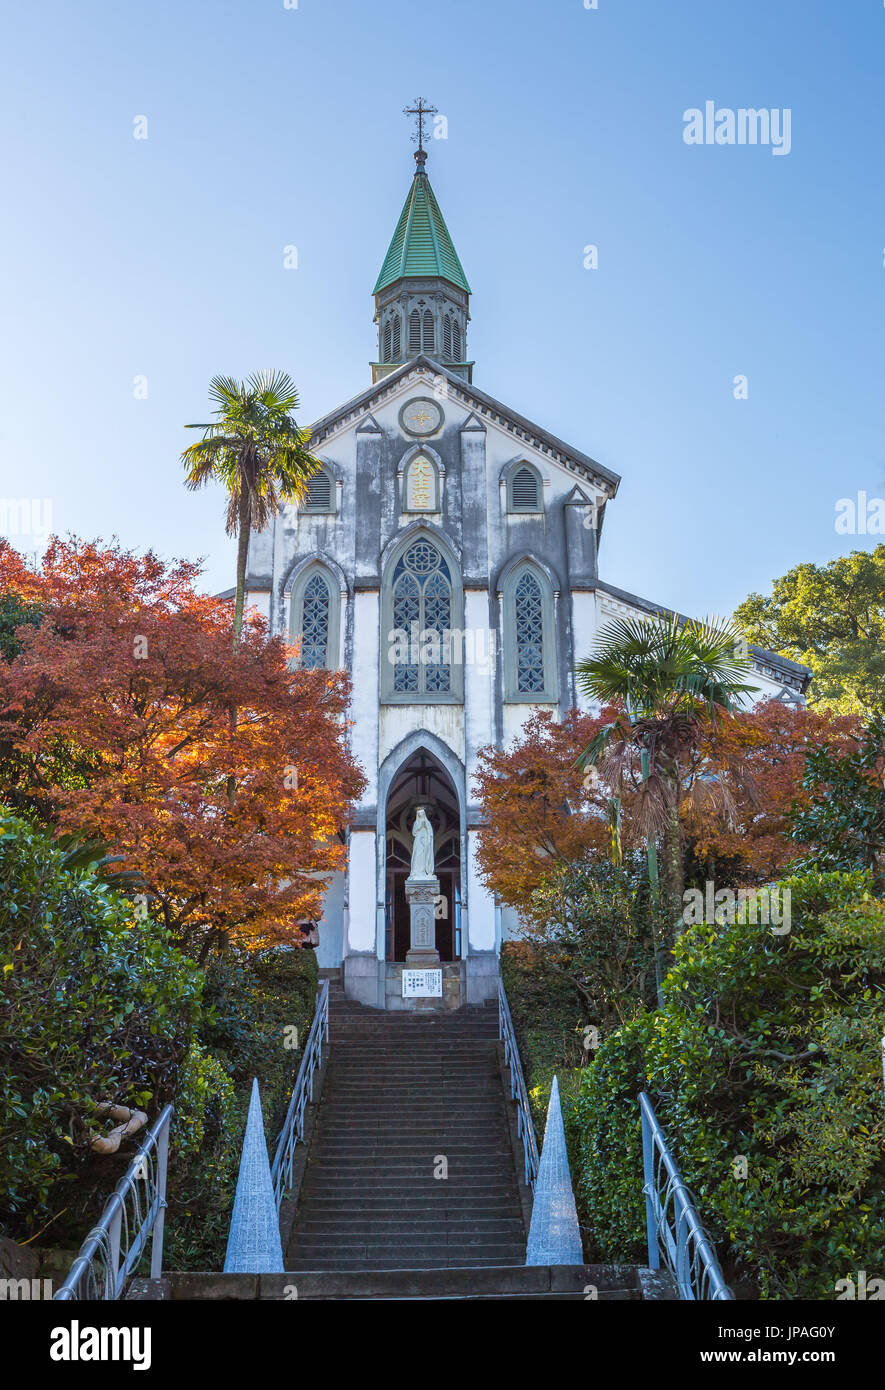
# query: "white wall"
{"points": [[479, 683], [364, 706], [361, 892], [480, 903], [331, 947]]}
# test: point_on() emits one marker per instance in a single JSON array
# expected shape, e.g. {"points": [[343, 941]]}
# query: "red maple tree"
{"points": [[538, 808], [760, 754], [115, 722], [737, 793]]}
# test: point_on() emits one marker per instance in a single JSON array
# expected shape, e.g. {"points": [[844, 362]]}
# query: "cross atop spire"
{"points": [[420, 111]]}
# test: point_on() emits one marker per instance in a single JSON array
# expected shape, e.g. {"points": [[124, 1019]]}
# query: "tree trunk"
{"points": [[245, 527], [658, 947], [674, 873], [242, 555]]}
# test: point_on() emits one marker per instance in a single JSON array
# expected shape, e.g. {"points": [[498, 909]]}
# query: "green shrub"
{"points": [[768, 1050], [250, 1004], [548, 1017], [205, 1104], [95, 1005], [592, 924], [585, 961], [843, 819]]}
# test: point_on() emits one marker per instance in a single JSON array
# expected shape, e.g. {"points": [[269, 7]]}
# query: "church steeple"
{"points": [[422, 298]]}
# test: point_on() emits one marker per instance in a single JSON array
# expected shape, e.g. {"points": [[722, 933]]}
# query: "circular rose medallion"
{"points": [[421, 416]]}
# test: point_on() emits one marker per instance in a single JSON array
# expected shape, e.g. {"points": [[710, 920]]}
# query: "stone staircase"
{"points": [[372, 1221], [406, 1097]]}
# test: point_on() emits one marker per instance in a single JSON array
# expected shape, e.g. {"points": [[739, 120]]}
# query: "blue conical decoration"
{"points": [[554, 1235], [253, 1242]]}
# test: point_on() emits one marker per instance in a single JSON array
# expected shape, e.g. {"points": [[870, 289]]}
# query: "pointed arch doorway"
{"points": [[423, 781]]}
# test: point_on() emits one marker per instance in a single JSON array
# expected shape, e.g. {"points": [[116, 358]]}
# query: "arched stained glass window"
{"points": [[315, 623], [528, 618], [422, 619], [314, 619], [529, 635]]}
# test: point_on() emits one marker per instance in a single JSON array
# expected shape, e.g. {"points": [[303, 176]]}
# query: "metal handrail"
{"points": [[133, 1214], [292, 1132], [673, 1225], [518, 1092]]}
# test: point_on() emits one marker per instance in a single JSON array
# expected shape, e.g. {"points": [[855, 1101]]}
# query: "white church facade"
{"points": [[447, 558]]}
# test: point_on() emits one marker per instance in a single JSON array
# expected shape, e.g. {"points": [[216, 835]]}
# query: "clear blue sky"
{"points": [[270, 127]]}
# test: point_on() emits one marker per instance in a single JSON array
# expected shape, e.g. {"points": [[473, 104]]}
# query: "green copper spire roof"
{"points": [[421, 244]]}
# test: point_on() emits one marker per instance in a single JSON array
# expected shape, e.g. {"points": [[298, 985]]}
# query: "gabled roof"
{"points": [[485, 407], [421, 244]]}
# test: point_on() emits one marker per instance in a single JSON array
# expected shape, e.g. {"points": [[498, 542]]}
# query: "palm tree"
{"points": [[258, 452], [672, 678]]}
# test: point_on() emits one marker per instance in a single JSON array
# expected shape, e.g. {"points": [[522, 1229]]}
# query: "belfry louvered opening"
{"points": [[319, 493], [524, 491]]}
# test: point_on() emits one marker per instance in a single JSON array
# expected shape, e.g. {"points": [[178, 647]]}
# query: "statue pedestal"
{"points": [[421, 895]]}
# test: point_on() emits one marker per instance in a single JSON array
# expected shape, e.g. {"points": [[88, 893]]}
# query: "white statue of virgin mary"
{"points": [[422, 846]]}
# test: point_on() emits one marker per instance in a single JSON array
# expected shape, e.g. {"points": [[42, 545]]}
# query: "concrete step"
{"points": [[444, 1203], [397, 1026], [429, 1243], [367, 1262], [368, 1180], [473, 1082], [389, 1071], [407, 1187], [383, 1151], [481, 1121], [452, 1100], [509, 1228], [399, 1101], [384, 1164], [336, 1119], [394, 1039], [478, 1281], [460, 1142], [482, 1118], [380, 1040], [386, 1154], [324, 1240], [396, 1254], [450, 1020], [415, 1059]]}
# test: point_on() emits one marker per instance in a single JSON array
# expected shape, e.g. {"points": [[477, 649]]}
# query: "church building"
{"points": [[447, 557]]}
